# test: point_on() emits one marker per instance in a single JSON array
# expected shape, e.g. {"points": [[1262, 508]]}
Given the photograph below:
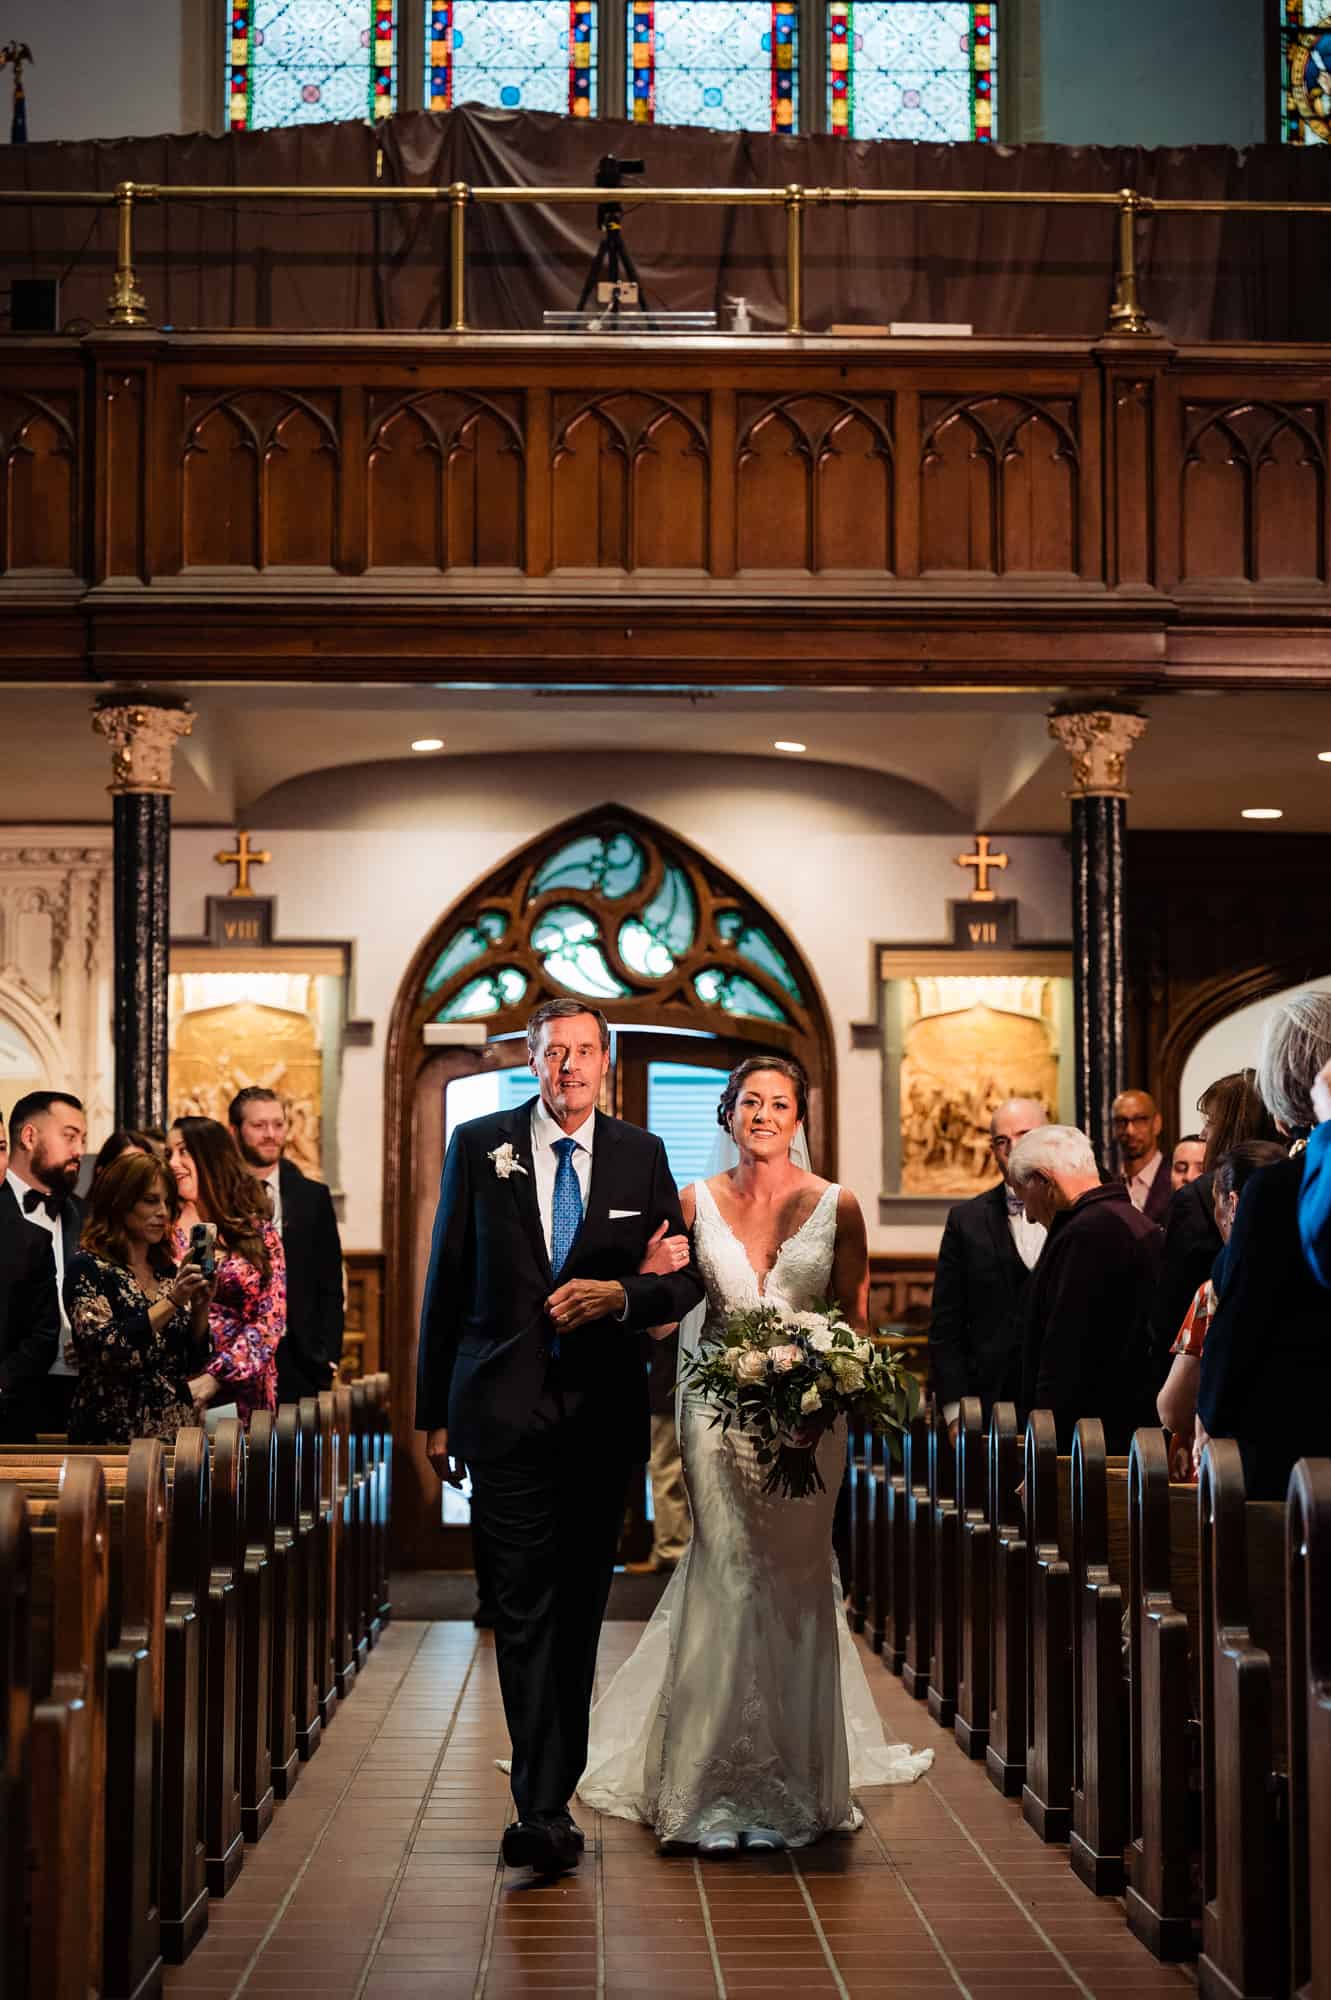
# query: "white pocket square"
{"points": [[623, 1214]]}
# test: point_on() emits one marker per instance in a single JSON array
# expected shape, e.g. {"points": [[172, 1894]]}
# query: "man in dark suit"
{"points": [[531, 1376], [984, 1261], [1085, 1347], [29, 1319], [311, 1347], [1146, 1175], [47, 1135]]}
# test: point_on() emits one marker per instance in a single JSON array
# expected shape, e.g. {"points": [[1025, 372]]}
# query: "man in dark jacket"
{"points": [[29, 1319], [984, 1263], [311, 1347], [1085, 1340]]}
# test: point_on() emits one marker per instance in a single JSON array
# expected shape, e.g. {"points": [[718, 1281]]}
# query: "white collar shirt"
{"points": [[1029, 1238], [545, 1161], [54, 1228], [273, 1182], [1141, 1183]]}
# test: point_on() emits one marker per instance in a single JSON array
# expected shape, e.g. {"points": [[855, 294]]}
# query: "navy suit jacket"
{"points": [[485, 1336], [29, 1317], [1315, 1204]]}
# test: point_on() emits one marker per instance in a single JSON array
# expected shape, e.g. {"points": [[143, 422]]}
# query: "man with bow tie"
{"points": [[988, 1251], [47, 1136]]}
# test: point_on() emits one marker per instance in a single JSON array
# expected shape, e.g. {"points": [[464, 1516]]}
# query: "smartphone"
{"points": [[203, 1247]]}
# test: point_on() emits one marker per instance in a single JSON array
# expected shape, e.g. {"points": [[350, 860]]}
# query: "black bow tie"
{"points": [[52, 1203]]}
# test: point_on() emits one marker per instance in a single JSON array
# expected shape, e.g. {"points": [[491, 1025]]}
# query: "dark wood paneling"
{"points": [[39, 503]]}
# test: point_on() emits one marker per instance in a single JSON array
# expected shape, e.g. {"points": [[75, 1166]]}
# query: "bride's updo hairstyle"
{"points": [[753, 1066]]}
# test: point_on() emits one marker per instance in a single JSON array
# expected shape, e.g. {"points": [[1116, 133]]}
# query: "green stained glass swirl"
{"points": [[653, 942], [569, 943], [491, 993], [610, 865], [734, 994], [472, 941], [755, 945]]}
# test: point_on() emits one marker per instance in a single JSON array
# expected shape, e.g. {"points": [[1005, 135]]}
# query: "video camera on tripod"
{"points": [[612, 277]]}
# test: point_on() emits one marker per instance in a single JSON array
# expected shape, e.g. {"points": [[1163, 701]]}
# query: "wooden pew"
{"points": [[365, 1434], [223, 1678], [184, 1885], [384, 1415], [859, 1463], [1308, 1657], [1005, 1756], [256, 1627], [892, 1561], [1099, 1696], [1242, 1649], [313, 1642], [345, 1654], [975, 1581], [1046, 1798], [286, 1555], [876, 1630], [331, 1667], [1162, 1700], [15, 1721], [919, 1522], [945, 1552]]}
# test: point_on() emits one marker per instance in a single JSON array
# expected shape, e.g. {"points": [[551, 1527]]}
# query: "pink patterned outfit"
{"points": [[246, 1320]]}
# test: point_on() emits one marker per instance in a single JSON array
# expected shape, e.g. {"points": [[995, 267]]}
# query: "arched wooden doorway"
{"points": [[686, 963]]}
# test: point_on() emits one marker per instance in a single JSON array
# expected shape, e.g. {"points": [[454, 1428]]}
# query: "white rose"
{"points": [[848, 1372], [822, 1339], [808, 1322], [750, 1365], [809, 1402], [784, 1358], [863, 1350]]}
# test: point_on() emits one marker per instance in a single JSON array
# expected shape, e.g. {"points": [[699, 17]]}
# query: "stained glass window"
{"points": [[465, 945], [304, 62], [611, 867], [735, 994], [568, 940], [1305, 72], [754, 944], [912, 69], [488, 994], [730, 64], [530, 55]]}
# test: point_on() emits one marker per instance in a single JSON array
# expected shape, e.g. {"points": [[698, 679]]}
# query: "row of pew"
{"points": [[1145, 1666], [178, 1623]]}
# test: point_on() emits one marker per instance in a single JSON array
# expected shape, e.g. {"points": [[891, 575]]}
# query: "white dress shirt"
{"points": [[1028, 1237], [545, 1161], [1141, 1183], [54, 1228], [273, 1183]]}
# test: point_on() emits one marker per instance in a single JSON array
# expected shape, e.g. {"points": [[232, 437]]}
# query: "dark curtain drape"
{"points": [[1008, 272]]}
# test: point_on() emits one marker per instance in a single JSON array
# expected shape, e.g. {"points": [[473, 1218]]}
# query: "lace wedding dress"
{"points": [[745, 1703]]}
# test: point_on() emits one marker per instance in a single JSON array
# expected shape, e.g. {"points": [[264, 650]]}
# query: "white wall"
{"points": [[102, 71], [378, 855], [1232, 1044]]}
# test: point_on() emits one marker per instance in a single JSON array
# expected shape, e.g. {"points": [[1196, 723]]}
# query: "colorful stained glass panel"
{"points": [[730, 64], [912, 69], [528, 55], [309, 62], [1305, 72]]}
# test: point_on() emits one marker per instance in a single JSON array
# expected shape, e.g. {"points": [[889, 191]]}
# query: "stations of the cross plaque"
{"points": [[983, 862], [242, 860]]}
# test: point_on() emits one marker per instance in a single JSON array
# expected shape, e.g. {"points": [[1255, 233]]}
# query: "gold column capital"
{"points": [[1098, 741], [142, 732]]}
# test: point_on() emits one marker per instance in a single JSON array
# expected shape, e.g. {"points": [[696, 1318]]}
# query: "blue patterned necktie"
{"points": [[566, 1209]]}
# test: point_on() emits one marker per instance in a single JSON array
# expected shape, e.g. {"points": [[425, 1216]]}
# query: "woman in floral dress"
{"points": [[139, 1326], [248, 1314]]}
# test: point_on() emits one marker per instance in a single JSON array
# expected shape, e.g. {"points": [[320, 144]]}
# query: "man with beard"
{"points": [[310, 1349], [47, 1135]]}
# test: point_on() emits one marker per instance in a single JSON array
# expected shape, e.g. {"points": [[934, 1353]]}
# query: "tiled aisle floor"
{"points": [[378, 1878]]}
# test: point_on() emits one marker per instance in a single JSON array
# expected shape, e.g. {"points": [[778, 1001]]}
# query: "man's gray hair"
{"points": [[1296, 1044], [1052, 1150], [564, 1010]]}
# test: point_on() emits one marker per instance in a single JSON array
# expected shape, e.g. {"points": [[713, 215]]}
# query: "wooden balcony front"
{"points": [[709, 510]]}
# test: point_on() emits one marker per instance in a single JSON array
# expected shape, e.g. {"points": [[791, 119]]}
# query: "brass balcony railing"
{"points": [[127, 307]]}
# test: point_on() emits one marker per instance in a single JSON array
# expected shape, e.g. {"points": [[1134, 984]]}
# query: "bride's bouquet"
{"points": [[785, 1378]]}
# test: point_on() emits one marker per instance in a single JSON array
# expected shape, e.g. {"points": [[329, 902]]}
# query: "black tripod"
{"points": [[612, 272]]}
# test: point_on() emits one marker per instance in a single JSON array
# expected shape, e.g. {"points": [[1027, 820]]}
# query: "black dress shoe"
{"points": [[546, 1846], [570, 1825]]}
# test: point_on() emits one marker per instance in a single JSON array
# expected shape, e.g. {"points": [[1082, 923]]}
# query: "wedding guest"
{"points": [[120, 1142], [1136, 1126], [311, 1347], [1177, 1402], [985, 1259], [1266, 1365], [47, 1136], [139, 1323], [1085, 1326], [1187, 1161], [248, 1312], [4, 1150], [1315, 1193], [29, 1319]]}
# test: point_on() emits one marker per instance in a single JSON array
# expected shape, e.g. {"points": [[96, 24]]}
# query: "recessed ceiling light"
{"points": [[428, 743], [1262, 812], [1324, 756], [794, 748]]}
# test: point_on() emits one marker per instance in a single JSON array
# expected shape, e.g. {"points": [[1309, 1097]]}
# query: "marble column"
{"points": [[142, 731], [1098, 741]]}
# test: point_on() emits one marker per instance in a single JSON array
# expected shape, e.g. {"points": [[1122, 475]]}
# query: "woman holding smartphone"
{"points": [[248, 1313]]}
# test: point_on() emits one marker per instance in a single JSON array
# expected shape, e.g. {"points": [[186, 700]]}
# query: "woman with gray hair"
{"points": [[1266, 1365]]}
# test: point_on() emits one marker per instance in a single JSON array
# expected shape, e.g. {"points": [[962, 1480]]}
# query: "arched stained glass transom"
{"points": [[895, 69], [615, 910], [1304, 27]]}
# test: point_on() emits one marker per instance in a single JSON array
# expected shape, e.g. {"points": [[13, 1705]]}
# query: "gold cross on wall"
{"points": [[242, 861], [982, 861]]}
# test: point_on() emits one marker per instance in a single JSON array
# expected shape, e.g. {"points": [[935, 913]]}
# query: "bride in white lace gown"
{"points": [[743, 1717]]}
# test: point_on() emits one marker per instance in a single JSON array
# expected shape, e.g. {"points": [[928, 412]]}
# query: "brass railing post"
{"points": [[794, 259], [458, 197], [126, 305], [1125, 314]]}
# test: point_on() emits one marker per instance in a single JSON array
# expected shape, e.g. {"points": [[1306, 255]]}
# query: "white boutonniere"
{"points": [[506, 1161]]}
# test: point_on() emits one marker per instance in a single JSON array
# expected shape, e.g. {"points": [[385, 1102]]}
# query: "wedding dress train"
{"points": [[745, 1703]]}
